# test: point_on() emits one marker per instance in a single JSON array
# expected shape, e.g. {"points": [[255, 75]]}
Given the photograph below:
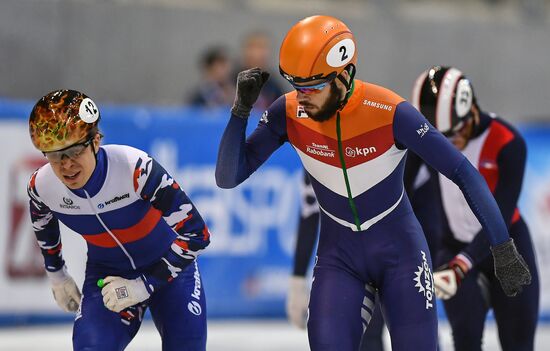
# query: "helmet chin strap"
{"points": [[475, 122], [348, 84]]}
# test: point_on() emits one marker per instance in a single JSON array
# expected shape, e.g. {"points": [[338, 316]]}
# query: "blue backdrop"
{"points": [[246, 268]]}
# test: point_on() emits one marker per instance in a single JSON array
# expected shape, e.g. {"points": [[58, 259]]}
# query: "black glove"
{"points": [[249, 84], [510, 268]]}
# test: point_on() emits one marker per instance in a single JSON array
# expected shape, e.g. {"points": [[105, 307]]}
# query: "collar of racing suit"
{"points": [[94, 184], [484, 121]]}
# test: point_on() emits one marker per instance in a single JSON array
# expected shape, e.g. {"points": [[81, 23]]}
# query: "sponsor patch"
{"points": [[423, 130], [320, 150], [423, 279], [194, 307], [264, 118], [377, 105], [359, 151], [300, 112]]}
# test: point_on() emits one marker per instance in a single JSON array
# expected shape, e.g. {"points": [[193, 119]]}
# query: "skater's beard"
{"points": [[329, 108]]}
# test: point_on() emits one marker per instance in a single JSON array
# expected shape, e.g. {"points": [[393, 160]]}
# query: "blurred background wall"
{"points": [[141, 60], [146, 51]]}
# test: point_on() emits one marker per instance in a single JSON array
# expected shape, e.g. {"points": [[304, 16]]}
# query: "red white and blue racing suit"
{"points": [[369, 238], [137, 222], [499, 152]]}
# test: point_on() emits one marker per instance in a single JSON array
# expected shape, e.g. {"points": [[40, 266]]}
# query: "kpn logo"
{"points": [[424, 281], [360, 151]]}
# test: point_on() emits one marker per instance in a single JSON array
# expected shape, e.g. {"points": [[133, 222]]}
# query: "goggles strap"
{"points": [[349, 85], [93, 150]]}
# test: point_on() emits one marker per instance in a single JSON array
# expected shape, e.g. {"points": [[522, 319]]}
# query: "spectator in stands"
{"points": [[216, 87], [256, 51]]}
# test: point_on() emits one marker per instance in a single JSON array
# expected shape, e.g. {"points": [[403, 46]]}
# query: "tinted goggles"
{"points": [[73, 152], [311, 89]]}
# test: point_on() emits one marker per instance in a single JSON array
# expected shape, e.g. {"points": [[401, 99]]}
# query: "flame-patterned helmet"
{"points": [[317, 47], [445, 97], [62, 118]]}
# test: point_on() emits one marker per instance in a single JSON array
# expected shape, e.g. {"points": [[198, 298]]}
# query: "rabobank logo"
{"points": [[320, 150], [194, 307], [360, 151]]}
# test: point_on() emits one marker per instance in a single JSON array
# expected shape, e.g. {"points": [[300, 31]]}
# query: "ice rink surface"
{"points": [[222, 336]]}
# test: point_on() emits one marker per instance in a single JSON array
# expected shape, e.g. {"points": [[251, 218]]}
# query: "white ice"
{"points": [[251, 335]]}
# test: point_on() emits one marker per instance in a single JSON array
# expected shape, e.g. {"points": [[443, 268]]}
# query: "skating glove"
{"points": [[297, 301], [249, 84], [119, 293], [65, 292], [510, 268], [448, 277]]}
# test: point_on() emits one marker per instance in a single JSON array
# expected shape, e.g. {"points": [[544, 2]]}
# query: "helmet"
{"points": [[317, 47], [445, 97], [62, 118]]}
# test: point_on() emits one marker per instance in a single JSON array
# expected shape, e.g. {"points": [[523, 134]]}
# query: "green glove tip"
{"points": [[100, 283]]}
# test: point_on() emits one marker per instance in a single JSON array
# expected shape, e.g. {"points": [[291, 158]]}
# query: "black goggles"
{"points": [[73, 152]]}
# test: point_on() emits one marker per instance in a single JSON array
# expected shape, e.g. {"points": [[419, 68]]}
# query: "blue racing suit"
{"points": [[498, 151], [369, 239], [137, 222]]}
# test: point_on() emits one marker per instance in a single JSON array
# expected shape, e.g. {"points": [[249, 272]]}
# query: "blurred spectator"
{"points": [[256, 52], [216, 87]]}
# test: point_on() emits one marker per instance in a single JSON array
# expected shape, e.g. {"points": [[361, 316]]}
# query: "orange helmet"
{"points": [[317, 47], [62, 118]]}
